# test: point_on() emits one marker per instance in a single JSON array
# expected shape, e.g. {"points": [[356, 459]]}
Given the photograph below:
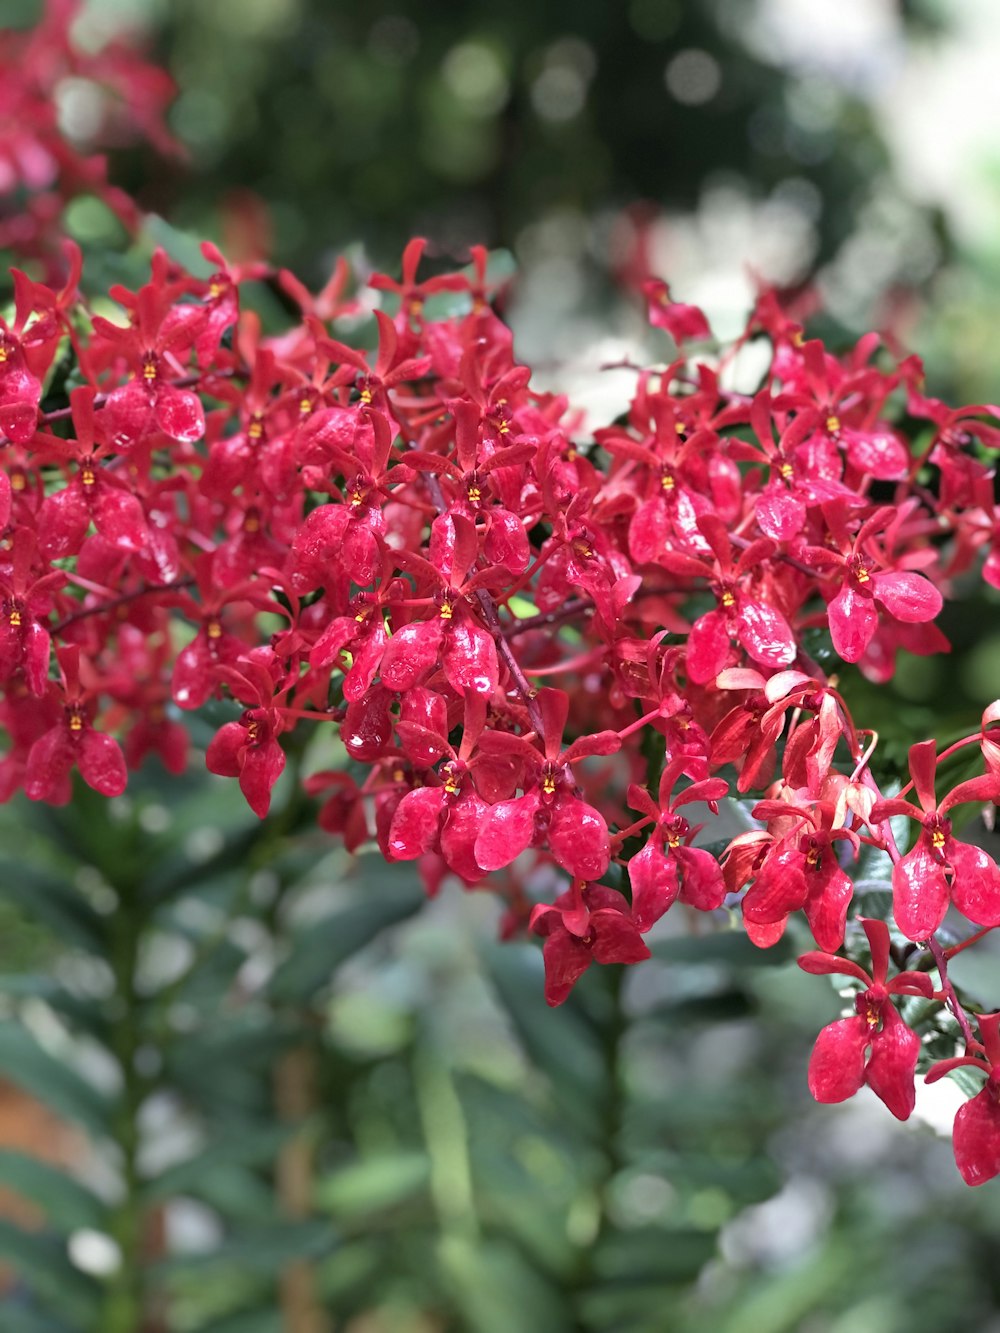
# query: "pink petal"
{"points": [[507, 830], [179, 414], [469, 658], [830, 893], [262, 767], [411, 653], [654, 885], [101, 763], [975, 890], [462, 822], [119, 517], [616, 939], [893, 1061], [579, 840], [414, 827], [647, 534], [566, 960], [837, 1064], [49, 762], [909, 597], [707, 647], [853, 622], [62, 522], [765, 634], [919, 892], [702, 885], [225, 749], [977, 1137], [780, 514]]}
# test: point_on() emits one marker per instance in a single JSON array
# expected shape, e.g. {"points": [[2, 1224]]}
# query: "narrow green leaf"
{"points": [[374, 1184], [67, 1205], [41, 1262], [60, 1088], [319, 949]]}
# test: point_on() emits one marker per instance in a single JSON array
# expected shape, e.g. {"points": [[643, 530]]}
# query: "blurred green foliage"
{"points": [[379, 122], [302, 1100]]}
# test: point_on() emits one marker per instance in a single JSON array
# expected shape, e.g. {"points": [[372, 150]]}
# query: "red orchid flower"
{"points": [[73, 742], [840, 1062], [550, 811], [667, 867], [938, 866], [587, 924], [976, 1133]]}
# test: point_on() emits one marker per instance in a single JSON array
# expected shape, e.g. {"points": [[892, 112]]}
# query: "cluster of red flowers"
{"points": [[536, 644]]}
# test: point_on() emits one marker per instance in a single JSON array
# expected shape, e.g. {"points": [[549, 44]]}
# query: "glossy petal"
{"points": [[566, 959], [579, 840], [63, 521], [462, 822], [780, 514], [179, 414], [975, 890], [655, 885], [414, 827], [830, 893], [507, 830], [837, 1064], [765, 634], [411, 653], [977, 1136], [469, 658], [261, 768], [707, 647], [890, 1069], [616, 939], [101, 763], [49, 762], [853, 622], [919, 892], [909, 597], [702, 884]]}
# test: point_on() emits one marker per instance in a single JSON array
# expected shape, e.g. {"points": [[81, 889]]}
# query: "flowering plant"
{"points": [[535, 642]]}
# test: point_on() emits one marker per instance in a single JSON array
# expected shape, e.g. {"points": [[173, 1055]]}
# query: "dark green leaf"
{"points": [[66, 1204], [24, 1062]]}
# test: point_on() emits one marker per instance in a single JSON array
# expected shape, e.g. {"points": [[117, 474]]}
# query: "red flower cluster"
{"points": [[406, 543]]}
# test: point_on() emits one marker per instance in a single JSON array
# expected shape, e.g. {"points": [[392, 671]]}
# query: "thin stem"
{"points": [[953, 1002], [123, 600], [185, 382]]}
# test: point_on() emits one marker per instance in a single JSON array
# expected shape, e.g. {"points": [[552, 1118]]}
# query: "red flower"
{"points": [[680, 321], [586, 924], [840, 1062], [667, 867], [939, 866], [248, 748], [550, 811], [74, 743], [976, 1134]]}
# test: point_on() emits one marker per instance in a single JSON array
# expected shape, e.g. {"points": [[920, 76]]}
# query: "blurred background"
{"points": [[282, 1093]]}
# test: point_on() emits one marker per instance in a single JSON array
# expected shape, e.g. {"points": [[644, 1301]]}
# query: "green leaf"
{"points": [[261, 1249], [48, 898], [235, 1143], [67, 1205], [183, 246], [319, 948], [497, 1291], [557, 1041], [374, 1184], [21, 1320], [730, 948], [44, 1266], [59, 1087]]}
